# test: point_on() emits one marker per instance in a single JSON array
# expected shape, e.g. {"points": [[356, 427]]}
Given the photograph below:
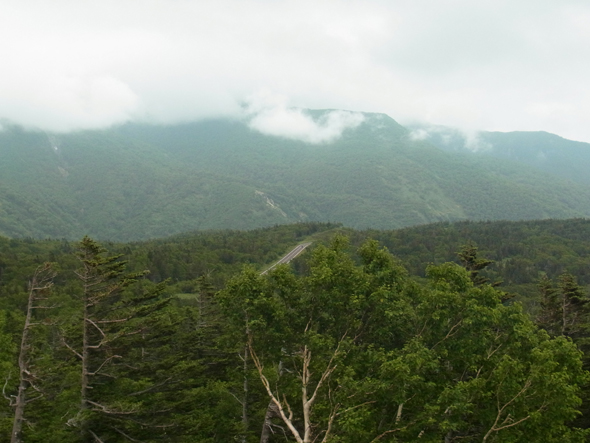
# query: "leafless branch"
{"points": [[126, 436], [150, 388], [495, 427], [391, 431], [108, 360], [70, 348], [117, 320], [237, 399], [11, 398], [288, 407], [101, 408], [327, 372], [266, 383], [30, 400], [98, 440], [93, 323], [449, 334]]}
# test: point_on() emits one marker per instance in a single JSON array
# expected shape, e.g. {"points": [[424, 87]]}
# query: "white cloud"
{"points": [[452, 137], [420, 134], [270, 115], [474, 143], [491, 65]]}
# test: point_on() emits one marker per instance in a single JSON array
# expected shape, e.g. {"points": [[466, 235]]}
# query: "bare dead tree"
{"points": [[39, 287], [309, 394]]}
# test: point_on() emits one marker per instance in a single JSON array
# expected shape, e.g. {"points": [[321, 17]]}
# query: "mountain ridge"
{"points": [[541, 150], [138, 181]]}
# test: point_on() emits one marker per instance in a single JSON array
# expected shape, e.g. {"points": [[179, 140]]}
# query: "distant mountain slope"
{"points": [[140, 181], [547, 152]]}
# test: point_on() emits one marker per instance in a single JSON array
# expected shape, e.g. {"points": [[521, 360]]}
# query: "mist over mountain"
{"points": [[544, 151], [138, 181]]}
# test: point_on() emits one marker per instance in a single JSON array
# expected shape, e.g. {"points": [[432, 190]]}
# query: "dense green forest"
{"points": [[369, 336], [141, 181]]}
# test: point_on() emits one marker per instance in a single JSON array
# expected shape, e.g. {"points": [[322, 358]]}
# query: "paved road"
{"points": [[290, 256]]}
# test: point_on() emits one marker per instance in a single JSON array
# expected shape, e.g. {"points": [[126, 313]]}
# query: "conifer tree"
{"points": [[474, 264], [549, 315], [565, 309], [113, 312]]}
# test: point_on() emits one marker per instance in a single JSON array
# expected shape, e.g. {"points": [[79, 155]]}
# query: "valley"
{"points": [[206, 282]]}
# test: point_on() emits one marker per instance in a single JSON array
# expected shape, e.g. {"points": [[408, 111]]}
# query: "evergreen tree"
{"points": [[565, 309], [474, 264], [114, 312]]}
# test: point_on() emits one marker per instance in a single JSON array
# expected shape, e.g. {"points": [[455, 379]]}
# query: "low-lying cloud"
{"points": [[498, 66], [451, 138], [297, 124]]}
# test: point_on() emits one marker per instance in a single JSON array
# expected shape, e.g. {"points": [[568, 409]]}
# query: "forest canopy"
{"points": [[346, 344]]}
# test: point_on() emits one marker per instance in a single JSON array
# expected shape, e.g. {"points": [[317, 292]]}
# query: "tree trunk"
{"points": [[271, 412], [245, 397], [19, 407], [85, 362], [42, 280]]}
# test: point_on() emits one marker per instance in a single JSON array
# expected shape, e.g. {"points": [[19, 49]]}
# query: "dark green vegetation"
{"points": [[521, 251], [140, 181], [348, 343]]}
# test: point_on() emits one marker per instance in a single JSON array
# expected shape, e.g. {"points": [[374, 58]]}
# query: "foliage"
{"points": [[381, 358], [521, 251], [376, 341]]}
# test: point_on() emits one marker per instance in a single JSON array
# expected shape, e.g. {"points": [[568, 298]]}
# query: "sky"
{"points": [[475, 65]]}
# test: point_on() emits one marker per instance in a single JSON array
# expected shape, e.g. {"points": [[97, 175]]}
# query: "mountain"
{"points": [[138, 181], [546, 152]]}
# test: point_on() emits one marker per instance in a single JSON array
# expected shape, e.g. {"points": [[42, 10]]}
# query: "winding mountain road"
{"points": [[290, 255]]}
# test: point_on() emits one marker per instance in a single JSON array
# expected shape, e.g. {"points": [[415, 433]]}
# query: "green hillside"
{"points": [[541, 150], [140, 181]]}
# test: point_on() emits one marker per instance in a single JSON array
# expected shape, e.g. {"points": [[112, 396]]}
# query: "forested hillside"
{"points": [[543, 151], [381, 346], [521, 251], [140, 181]]}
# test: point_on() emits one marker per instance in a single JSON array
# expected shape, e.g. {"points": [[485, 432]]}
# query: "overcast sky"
{"points": [[489, 65]]}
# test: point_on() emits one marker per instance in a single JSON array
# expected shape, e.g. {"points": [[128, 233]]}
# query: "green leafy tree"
{"points": [[362, 352], [477, 370], [565, 311], [298, 333]]}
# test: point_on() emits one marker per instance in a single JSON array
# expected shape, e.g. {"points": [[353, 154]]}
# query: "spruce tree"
{"points": [[474, 264], [565, 308], [114, 313]]}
